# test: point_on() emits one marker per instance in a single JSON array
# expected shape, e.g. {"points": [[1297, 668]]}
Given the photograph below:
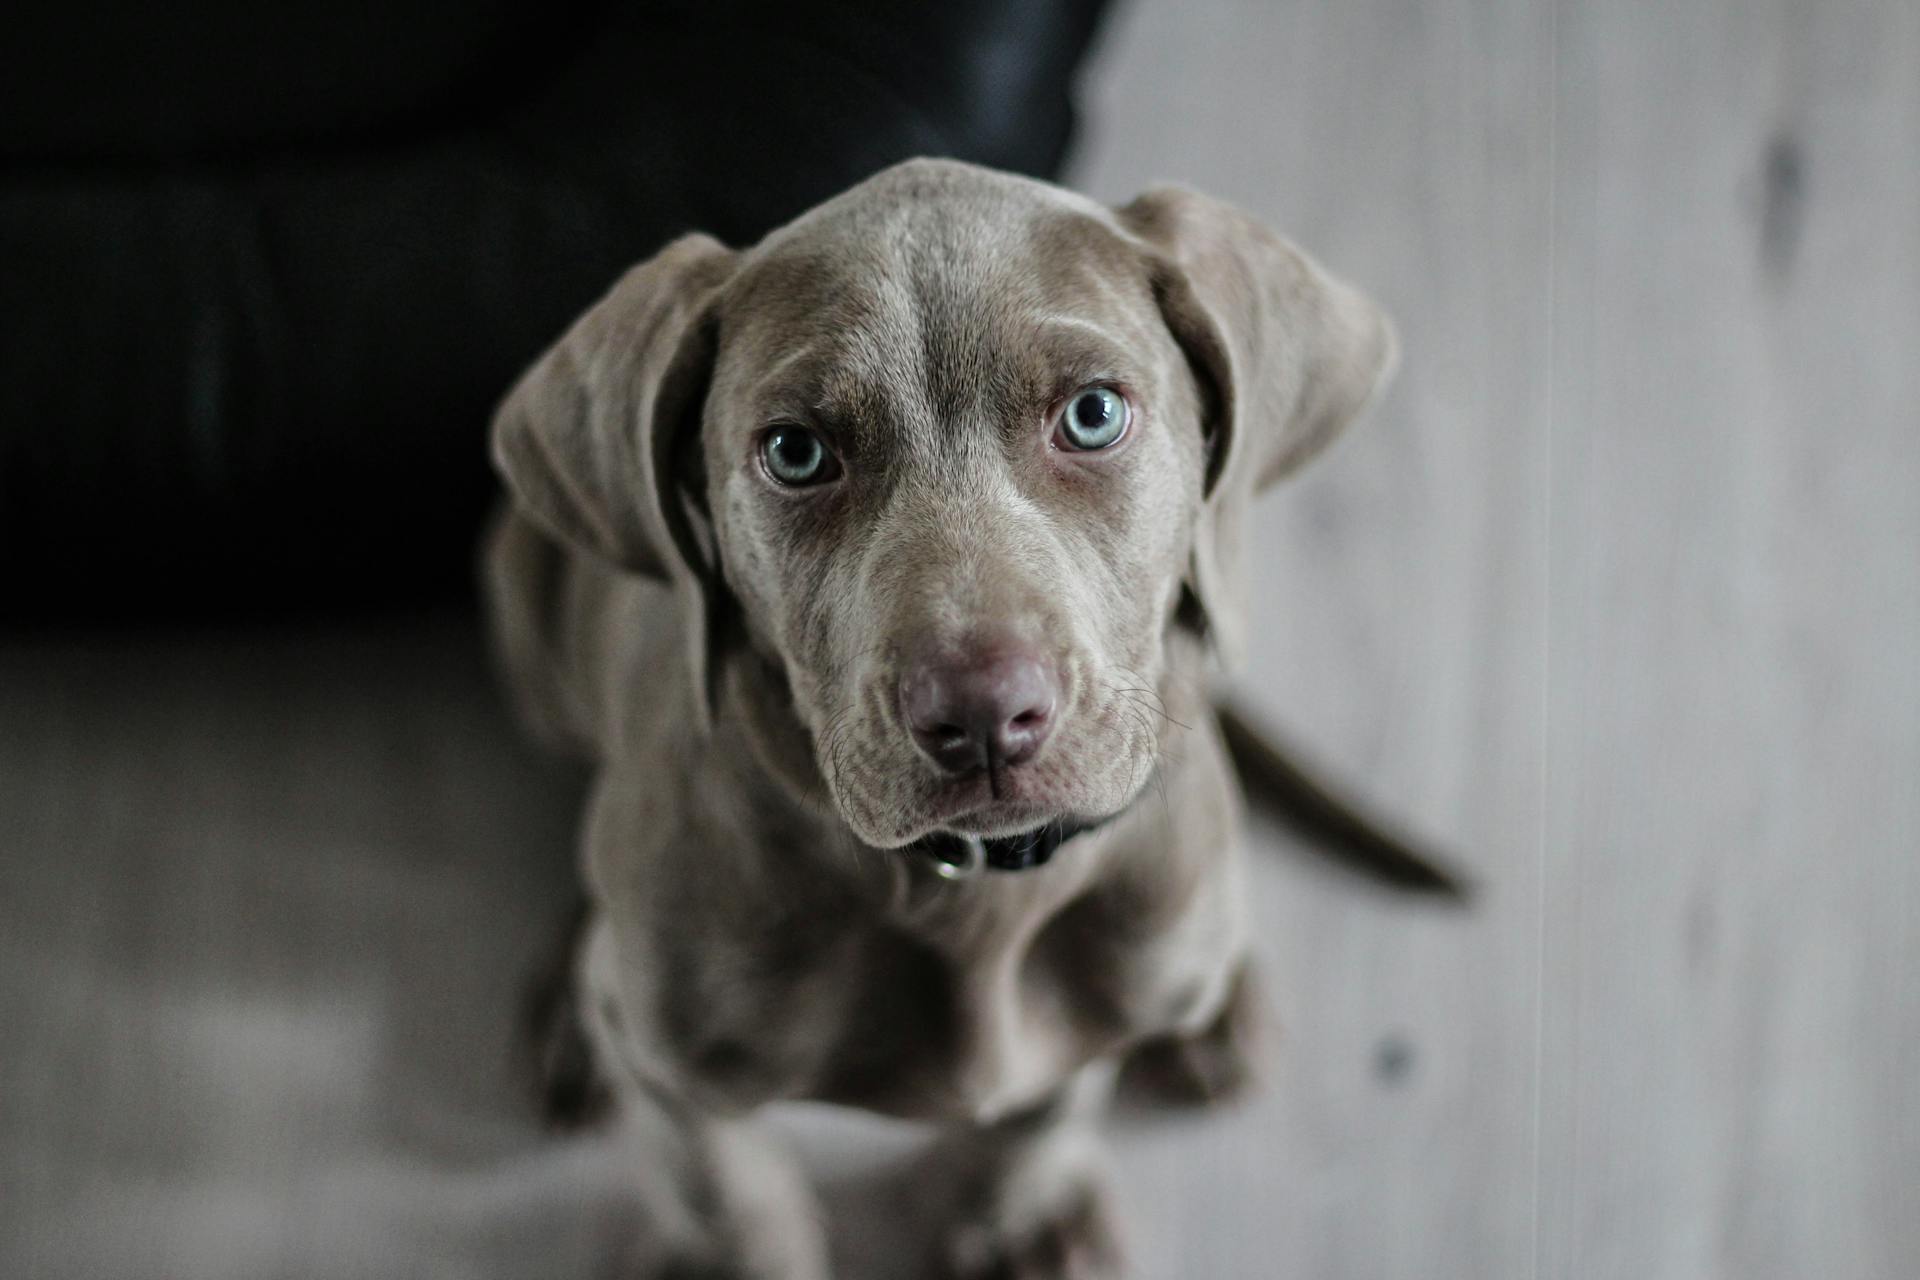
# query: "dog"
{"points": [[879, 570]]}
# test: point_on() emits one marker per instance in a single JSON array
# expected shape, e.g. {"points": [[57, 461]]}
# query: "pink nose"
{"points": [[981, 712]]}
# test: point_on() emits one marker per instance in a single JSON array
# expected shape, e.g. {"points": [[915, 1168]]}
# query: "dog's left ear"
{"points": [[1285, 354], [599, 441]]}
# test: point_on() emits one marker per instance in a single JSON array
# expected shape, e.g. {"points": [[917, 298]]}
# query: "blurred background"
{"points": [[1616, 596]]}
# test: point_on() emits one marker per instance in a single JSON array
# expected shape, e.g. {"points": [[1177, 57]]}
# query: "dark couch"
{"points": [[264, 270]]}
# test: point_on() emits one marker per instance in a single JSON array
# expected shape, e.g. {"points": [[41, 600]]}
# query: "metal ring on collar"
{"points": [[970, 865]]}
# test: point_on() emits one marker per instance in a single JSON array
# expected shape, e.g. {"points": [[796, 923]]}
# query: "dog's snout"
{"points": [[981, 711]]}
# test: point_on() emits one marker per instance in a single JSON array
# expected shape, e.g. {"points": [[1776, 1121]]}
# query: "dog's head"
{"points": [[953, 455]]}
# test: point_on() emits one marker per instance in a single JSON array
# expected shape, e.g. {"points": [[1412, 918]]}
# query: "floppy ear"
{"points": [[597, 438], [1286, 357]]}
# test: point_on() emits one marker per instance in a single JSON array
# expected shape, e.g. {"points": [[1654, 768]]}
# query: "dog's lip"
{"points": [[967, 808], [1012, 822]]}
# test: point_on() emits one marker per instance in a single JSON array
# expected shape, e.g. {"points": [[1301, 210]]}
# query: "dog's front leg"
{"points": [[714, 1198], [1027, 1198], [1219, 1063]]}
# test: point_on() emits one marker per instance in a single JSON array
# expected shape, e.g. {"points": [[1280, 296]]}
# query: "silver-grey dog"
{"points": [[878, 569]]}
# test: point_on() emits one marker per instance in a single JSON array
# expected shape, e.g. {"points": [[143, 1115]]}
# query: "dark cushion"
{"points": [[260, 289]]}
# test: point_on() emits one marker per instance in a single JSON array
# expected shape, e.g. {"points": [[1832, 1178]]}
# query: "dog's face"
{"points": [[954, 459], [970, 448]]}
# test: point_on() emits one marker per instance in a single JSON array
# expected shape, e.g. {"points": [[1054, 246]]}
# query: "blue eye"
{"points": [[797, 456], [1095, 418]]}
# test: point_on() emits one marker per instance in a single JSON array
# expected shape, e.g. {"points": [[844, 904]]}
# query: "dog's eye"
{"points": [[797, 456], [1094, 418]]}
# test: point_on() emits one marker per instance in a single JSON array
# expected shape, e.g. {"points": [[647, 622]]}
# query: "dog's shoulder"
{"points": [[740, 949], [586, 652]]}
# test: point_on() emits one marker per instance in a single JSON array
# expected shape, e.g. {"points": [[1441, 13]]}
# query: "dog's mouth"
{"points": [[1010, 822]]}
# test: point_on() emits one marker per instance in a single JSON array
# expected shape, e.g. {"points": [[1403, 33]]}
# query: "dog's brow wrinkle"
{"points": [[779, 369], [1081, 352]]}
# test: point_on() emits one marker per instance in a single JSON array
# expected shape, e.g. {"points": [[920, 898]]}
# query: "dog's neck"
{"points": [[962, 855]]}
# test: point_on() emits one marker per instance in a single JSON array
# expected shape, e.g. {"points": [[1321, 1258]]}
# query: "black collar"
{"points": [[962, 855]]}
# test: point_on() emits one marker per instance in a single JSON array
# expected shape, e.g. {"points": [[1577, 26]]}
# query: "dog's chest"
{"points": [[960, 1006]]}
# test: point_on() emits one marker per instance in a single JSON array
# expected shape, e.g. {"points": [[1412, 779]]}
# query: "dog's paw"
{"points": [[694, 1269], [1074, 1239], [1220, 1063], [700, 1265]]}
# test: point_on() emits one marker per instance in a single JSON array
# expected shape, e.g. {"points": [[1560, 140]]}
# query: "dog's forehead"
{"points": [[936, 276], [930, 215]]}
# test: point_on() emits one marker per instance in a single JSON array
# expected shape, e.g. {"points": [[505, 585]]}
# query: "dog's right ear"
{"points": [[589, 439], [594, 441]]}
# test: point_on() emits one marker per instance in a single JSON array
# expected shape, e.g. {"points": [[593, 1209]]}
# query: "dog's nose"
{"points": [[980, 712]]}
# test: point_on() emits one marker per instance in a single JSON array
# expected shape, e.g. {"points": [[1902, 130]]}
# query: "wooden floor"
{"points": [[1618, 596]]}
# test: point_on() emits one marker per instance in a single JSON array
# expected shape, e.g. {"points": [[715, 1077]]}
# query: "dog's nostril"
{"points": [[1029, 718]]}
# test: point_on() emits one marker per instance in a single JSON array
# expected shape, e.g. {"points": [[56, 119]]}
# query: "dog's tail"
{"points": [[1337, 828]]}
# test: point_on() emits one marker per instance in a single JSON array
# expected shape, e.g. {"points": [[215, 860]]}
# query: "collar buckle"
{"points": [[973, 857]]}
